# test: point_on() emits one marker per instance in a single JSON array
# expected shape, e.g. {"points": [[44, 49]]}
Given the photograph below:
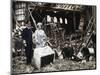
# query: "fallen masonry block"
{"points": [[43, 56]]}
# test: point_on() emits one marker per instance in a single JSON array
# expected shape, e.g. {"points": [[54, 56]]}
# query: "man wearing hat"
{"points": [[27, 38]]}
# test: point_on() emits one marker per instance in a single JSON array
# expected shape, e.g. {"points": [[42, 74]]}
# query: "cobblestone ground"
{"points": [[19, 66]]}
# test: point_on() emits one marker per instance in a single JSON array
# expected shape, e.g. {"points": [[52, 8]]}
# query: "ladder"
{"points": [[88, 33]]}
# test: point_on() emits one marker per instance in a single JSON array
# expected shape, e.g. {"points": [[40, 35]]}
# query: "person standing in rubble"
{"points": [[94, 41], [68, 51], [40, 36], [85, 52], [27, 40]]}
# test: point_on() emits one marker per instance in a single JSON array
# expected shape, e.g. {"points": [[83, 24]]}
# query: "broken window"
{"points": [[48, 18], [55, 19], [61, 21], [66, 21]]}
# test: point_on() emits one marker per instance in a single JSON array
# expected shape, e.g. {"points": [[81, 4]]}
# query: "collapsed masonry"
{"points": [[62, 23]]}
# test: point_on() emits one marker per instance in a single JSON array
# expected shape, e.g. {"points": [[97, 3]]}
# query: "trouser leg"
{"points": [[29, 55]]}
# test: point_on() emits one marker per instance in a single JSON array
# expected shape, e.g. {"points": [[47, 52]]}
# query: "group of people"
{"points": [[30, 38], [39, 39], [70, 53]]}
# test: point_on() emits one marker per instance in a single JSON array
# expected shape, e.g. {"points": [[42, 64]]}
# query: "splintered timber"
{"points": [[50, 37]]}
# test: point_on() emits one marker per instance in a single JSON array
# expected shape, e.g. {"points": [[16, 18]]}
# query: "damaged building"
{"points": [[63, 23]]}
